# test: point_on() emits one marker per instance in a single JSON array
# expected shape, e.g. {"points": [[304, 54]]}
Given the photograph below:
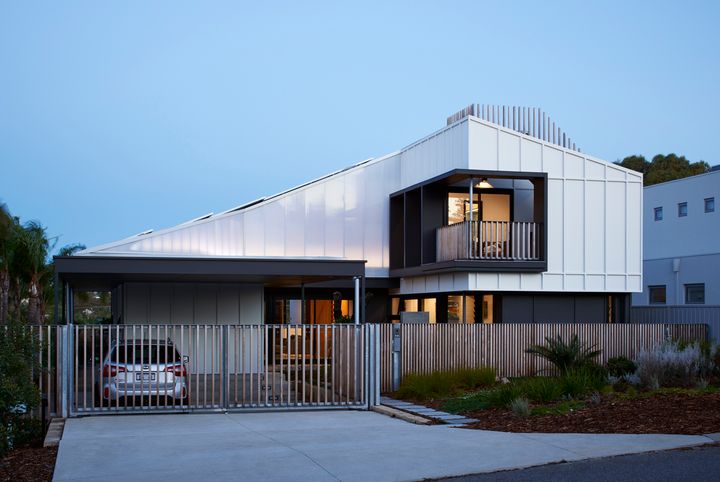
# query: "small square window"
{"points": [[709, 204], [682, 210], [657, 295], [658, 214], [695, 294]]}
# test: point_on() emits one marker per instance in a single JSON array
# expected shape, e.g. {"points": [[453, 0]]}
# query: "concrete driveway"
{"points": [[314, 446]]}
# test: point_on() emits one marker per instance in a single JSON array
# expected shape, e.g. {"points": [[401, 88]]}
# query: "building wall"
{"points": [[692, 269], [692, 240], [188, 303], [594, 219], [554, 308], [692, 235], [198, 304], [594, 225]]}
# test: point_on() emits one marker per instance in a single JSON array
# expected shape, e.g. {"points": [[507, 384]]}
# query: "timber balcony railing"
{"points": [[490, 240]]}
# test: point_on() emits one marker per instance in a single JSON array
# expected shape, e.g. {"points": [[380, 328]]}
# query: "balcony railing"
{"points": [[489, 240]]}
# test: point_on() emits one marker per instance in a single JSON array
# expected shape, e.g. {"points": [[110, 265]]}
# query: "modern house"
{"points": [[681, 251], [496, 217]]}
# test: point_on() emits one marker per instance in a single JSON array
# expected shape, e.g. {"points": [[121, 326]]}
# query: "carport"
{"points": [[113, 273], [188, 334]]}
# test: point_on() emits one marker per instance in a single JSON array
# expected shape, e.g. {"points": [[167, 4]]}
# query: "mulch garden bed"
{"points": [[674, 413], [26, 464]]}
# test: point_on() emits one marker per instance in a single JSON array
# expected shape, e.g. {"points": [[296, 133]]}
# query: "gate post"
{"points": [[63, 373], [373, 365], [396, 351], [225, 377]]}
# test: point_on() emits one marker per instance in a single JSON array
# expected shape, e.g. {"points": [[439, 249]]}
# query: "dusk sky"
{"points": [[118, 117]]}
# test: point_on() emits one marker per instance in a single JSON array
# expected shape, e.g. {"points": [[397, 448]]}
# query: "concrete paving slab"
{"points": [[331, 445]]}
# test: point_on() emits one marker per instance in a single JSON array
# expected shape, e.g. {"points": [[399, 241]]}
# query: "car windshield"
{"points": [[145, 353]]}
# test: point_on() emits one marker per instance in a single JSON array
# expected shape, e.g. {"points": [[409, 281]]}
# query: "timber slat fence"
{"points": [[428, 348]]}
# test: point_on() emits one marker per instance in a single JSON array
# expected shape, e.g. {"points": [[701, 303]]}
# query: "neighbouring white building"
{"points": [[681, 259], [496, 217]]}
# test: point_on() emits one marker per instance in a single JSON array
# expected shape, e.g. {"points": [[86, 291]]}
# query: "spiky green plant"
{"points": [[565, 356]]}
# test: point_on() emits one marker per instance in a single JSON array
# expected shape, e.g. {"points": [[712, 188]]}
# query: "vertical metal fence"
{"points": [[681, 314], [130, 368]]}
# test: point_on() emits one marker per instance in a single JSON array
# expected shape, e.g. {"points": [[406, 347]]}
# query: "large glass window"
{"points": [[695, 294], [470, 309], [459, 207], [487, 309], [289, 311], [428, 305], [657, 295]]}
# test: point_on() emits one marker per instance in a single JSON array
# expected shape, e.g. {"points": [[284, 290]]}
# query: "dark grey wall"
{"points": [[551, 308]]}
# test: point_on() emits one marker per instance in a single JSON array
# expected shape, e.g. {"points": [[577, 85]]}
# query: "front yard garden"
{"points": [[673, 388]]}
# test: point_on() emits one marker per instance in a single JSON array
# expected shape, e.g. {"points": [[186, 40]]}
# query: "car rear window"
{"points": [[145, 353]]}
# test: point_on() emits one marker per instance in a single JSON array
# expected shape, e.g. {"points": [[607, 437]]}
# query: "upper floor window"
{"points": [[709, 204], [658, 214], [682, 210], [695, 293], [657, 295]]}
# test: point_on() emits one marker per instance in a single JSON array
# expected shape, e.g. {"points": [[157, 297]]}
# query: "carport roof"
{"points": [[105, 272]]}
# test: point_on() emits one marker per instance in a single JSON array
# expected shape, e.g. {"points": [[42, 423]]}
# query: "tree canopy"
{"points": [[26, 272], [663, 168]]}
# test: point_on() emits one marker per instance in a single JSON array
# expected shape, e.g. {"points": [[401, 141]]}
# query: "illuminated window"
{"points": [[657, 295], [709, 204], [658, 214], [682, 210]]}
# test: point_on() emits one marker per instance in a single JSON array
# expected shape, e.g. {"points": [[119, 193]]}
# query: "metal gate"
{"points": [[169, 368]]}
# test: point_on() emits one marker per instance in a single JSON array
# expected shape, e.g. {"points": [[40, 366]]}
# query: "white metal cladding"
{"points": [[594, 215], [594, 219]]}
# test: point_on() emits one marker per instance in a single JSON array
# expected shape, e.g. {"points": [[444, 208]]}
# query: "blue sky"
{"points": [[117, 117]]}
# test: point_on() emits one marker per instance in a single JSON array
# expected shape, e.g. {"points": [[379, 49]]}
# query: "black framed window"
{"points": [[695, 294], [658, 295], [682, 210], [709, 204], [658, 214]]}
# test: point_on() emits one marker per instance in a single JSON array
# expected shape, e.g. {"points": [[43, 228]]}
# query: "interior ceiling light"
{"points": [[484, 184]]}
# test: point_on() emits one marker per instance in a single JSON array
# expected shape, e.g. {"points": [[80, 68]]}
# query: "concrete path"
{"points": [[448, 418], [314, 446]]}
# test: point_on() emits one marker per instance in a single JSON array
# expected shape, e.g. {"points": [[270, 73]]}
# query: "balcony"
{"points": [[470, 221], [489, 240]]}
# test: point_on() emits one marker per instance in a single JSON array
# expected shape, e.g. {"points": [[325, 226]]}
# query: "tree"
{"points": [[636, 163], [49, 280], [34, 247], [664, 168], [7, 248]]}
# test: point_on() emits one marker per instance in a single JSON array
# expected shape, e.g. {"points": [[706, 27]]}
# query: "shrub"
{"points": [[18, 393], [472, 378], [424, 387], [520, 406], [620, 366], [581, 381], [542, 389], [446, 383], [565, 356], [672, 363]]}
